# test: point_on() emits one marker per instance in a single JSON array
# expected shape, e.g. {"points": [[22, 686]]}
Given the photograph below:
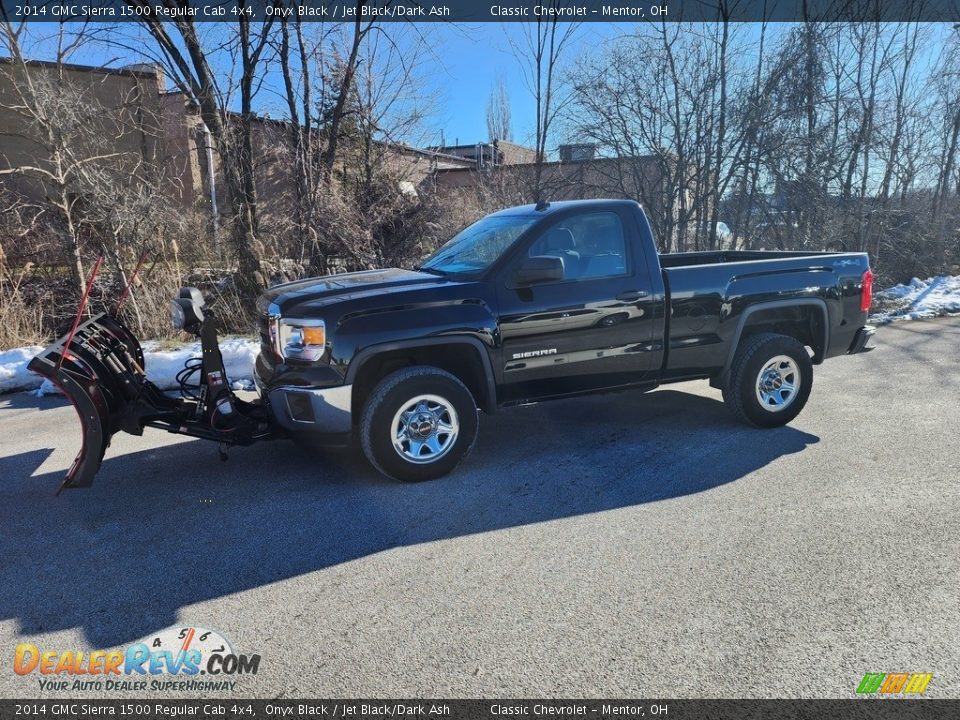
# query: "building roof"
{"points": [[564, 163], [458, 147], [129, 71], [432, 153]]}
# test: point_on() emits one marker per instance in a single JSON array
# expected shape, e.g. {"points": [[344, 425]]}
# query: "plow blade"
{"points": [[100, 370]]}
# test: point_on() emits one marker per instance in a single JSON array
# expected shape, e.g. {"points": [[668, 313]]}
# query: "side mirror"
{"points": [[540, 268]]}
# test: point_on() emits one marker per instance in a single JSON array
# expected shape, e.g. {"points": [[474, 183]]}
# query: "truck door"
{"points": [[590, 330]]}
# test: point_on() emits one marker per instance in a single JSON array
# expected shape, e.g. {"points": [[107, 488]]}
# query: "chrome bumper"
{"points": [[310, 410]]}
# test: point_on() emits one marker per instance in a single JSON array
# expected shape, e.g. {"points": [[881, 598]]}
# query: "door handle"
{"points": [[632, 295]]}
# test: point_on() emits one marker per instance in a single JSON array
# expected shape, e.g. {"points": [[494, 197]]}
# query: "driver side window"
{"points": [[591, 245]]}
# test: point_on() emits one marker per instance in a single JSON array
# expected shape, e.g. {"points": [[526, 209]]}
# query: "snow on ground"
{"points": [[918, 300], [239, 355], [13, 369], [162, 366]]}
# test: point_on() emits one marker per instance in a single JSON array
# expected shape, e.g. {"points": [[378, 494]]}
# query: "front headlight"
{"points": [[304, 339]]}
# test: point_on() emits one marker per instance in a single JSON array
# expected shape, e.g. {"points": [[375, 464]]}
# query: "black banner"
{"points": [[872, 708], [113, 11]]}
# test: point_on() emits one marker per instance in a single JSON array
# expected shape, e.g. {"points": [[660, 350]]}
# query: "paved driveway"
{"points": [[621, 545]]}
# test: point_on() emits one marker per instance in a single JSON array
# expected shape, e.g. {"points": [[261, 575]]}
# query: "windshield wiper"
{"points": [[433, 270]]}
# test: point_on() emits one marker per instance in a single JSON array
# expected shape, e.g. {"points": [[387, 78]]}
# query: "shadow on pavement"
{"points": [[170, 526]]}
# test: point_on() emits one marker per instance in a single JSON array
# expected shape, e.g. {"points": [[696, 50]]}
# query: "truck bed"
{"points": [[707, 292], [716, 257]]}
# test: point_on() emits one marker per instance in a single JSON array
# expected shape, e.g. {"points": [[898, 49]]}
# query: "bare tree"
{"points": [[651, 103], [301, 54], [498, 112], [344, 87], [193, 64], [75, 175], [541, 53], [356, 94], [722, 167], [946, 84], [83, 174]]}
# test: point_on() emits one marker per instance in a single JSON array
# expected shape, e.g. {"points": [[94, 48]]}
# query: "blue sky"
{"points": [[474, 56], [467, 60]]}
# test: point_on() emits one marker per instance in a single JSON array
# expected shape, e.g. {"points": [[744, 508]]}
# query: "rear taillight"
{"points": [[866, 291]]}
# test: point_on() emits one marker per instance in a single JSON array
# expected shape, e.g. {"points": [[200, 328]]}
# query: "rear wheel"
{"points": [[418, 424], [770, 380]]}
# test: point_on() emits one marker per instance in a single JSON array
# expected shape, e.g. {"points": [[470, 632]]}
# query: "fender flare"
{"points": [[817, 303], [489, 401]]}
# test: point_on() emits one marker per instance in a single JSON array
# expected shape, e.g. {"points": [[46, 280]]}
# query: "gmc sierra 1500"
{"points": [[527, 304]]}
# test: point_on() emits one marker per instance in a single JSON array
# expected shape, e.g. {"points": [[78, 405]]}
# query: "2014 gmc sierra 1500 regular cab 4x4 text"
{"points": [[527, 304], [541, 302]]}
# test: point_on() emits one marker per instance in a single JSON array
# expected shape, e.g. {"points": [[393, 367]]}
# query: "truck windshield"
{"points": [[477, 246]]}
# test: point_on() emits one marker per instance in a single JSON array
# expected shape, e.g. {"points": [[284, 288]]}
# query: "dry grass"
{"points": [[21, 323], [35, 309]]}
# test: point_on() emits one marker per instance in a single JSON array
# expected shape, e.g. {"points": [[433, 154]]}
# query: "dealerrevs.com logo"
{"points": [[178, 658]]}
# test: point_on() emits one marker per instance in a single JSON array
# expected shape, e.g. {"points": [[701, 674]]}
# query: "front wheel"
{"points": [[418, 424], [770, 380]]}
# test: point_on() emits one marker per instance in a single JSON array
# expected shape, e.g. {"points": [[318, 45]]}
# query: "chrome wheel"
{"points": [[778, 383], [425, 429]]}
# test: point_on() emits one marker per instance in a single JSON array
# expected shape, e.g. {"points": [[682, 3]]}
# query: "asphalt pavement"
{"points": [[612, 546]]}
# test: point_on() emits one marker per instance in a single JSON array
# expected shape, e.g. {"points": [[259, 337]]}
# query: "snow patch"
{"points": [[919, 299], [13, 369], [239, 355], [162, 366]]}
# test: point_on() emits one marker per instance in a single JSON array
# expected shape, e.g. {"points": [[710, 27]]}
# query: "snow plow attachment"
{"points": [[100, 370]]}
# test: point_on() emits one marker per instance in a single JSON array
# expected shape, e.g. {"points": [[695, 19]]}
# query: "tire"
{"points": [[765, 365], [435, 399]]}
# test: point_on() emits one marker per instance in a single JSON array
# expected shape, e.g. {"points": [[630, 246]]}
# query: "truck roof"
{"points": [[559, 205]]}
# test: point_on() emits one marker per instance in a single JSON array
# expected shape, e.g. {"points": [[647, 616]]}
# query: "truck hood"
{"points": [[320, 291]]}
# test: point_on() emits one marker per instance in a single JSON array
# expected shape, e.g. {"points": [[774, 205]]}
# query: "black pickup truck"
{"points": [[541, 302], [527, 304]]}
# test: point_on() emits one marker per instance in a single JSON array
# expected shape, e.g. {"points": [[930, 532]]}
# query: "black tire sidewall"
{"points": [[750, 369], [399, 389]]}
